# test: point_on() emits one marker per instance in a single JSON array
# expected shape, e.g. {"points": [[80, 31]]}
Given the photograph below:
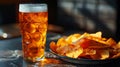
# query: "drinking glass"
{"points": [[33, 21]]}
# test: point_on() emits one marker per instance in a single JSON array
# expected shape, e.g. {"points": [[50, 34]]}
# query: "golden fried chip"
{"points": [[53, 46], [62, 50], [116, 56], [86, 45], [111, 42], [84, 35], [118, 45], [89, 51], [104, 54], [100, 55], [97, 45], [95, 57], [72, 38], [98, 34], [75, 53], [62, 42]]}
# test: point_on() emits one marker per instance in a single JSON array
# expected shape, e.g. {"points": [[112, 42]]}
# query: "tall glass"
{"points": [[33, 20]]}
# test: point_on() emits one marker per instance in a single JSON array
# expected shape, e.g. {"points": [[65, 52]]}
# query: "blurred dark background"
{"points": [[72, 15]]}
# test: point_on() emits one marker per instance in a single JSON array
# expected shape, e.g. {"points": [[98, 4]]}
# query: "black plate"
{"points": [[85, 61]]}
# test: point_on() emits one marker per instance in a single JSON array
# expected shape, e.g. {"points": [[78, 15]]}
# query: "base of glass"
{"points": [[32, 60]]}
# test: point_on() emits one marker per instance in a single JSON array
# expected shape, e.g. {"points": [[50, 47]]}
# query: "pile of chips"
{"points": [[90, 46]]}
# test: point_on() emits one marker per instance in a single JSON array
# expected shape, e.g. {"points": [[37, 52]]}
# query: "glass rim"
{"points": [[30, 7]]}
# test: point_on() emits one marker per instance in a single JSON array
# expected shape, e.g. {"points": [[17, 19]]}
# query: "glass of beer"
{"points": [[33, 21]]}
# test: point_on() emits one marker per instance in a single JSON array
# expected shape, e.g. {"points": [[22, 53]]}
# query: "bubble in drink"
{"points": [[33, 25]]}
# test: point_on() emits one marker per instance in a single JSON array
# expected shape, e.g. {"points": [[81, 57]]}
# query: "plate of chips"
{"points": [[86, 48]]}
